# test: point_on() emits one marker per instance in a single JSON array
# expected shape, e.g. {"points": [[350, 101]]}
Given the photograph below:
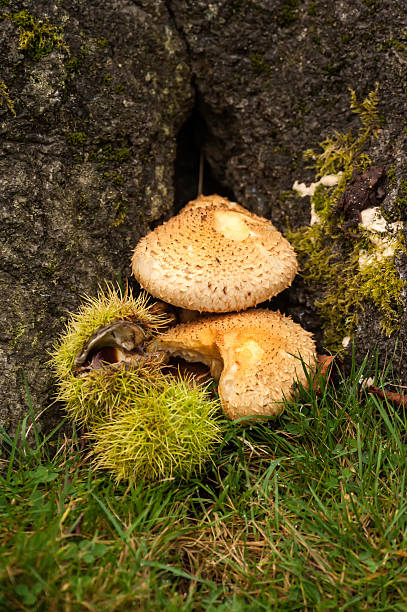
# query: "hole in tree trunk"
{"points": [[191, 140]]}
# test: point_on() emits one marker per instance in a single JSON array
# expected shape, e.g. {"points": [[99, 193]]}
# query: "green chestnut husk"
{"points": [[143, 423]]}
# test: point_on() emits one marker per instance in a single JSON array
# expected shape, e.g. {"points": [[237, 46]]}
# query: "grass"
{"points": [[307, 512]]}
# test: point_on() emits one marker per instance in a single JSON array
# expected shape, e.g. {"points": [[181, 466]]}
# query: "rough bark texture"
{"points": [[88, 138], [86, 165]]}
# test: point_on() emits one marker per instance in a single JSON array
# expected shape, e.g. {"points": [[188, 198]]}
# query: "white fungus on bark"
{"points": [[329, 180], [381, 234]]}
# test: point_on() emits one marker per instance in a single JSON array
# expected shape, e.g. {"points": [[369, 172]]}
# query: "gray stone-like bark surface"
{"points": [[86, 165], [87, 161]]}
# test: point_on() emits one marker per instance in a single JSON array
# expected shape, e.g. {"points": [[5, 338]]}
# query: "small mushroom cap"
{"points": [[214, 256], [257, 355]]}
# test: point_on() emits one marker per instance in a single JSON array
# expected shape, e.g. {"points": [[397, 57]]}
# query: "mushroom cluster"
{"points": [[217, 257], [215, 261]]}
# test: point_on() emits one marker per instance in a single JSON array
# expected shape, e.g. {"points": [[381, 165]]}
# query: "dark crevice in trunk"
{"points": [[194, 136], [191, 140]]}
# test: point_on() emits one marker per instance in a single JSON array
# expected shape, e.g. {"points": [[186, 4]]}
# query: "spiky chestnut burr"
{"points": [[108, 328], [144, 424], [160, 427]]}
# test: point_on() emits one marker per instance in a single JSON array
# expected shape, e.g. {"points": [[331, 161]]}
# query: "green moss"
{"points": [[5, 98], [333, 68], [343, 152], [114, 178], [237, 6], [74, 64], [316, 39], [348, 287], [37, 37], [259, 65], [329, 259], [118, 88], [120, 210], [391, 44], [288, 13], [381, 285], [400, 203], [110, 155], [391, 175], [321, 201], [19, 331], [102, 42], [76, 139], [37, 338], [49, 269]]}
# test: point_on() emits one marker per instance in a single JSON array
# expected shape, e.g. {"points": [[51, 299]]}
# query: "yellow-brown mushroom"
{"points": [[214, 256], [257, 355]]}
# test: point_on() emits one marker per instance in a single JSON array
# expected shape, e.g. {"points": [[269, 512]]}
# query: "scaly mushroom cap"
{"points": [[257, 355], [214, 256], [216, 201]]}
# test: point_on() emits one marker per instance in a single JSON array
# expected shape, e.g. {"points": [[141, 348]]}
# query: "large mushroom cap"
{"points": [[214, 256], [257, 355]]}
